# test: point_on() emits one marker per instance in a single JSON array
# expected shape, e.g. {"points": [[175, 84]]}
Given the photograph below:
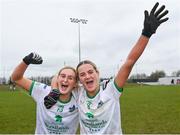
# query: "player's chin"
{"points": [[66, 91], [90, 89]]}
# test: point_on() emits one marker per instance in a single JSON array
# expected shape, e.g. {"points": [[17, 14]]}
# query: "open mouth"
{"points": [[64, 87], [89, 83]]}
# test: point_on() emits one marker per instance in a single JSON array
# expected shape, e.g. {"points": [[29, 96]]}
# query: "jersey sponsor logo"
{"points": [[57, 128], [100, 104], [93, 125], [89, 115], [71, 109], [58, 118]]}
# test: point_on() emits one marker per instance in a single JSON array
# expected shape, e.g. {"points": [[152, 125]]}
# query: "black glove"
{"points": [[32, 58], [51, 98], [152, 21]]}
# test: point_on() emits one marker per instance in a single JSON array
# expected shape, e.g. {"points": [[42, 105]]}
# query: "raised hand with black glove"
{"points": [[33, 58], [51, 98], [153, 20]]}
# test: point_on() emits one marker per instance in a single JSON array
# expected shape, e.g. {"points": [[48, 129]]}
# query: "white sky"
{"points": [[113, 27]]}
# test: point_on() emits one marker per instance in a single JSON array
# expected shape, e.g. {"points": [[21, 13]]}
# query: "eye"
{"points": [[62, 75], [70, 78], [82, 74], [90, 71]]}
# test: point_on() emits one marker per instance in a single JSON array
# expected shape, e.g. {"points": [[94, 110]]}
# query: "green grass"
{"points": [[151, 109], [144, 109], [17, 112]]}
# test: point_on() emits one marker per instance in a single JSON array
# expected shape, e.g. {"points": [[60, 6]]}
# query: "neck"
{"points": [[93, 93], [65, 97]]}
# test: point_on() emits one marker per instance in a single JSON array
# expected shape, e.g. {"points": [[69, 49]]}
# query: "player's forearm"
{"points": [[133, 56], [19, 72], [137, 50]]}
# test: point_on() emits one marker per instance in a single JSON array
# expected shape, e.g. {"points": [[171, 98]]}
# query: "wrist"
{"points": [[55, 90], [146, 33], [26, 61]]}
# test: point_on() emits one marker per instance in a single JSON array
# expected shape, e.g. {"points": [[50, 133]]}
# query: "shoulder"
{"points": [[105, 82], [109, 88], [37, 87]]}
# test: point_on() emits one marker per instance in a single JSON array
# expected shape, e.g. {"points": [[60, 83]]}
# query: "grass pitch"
{"points": [[17, 112], [151, 110], [144, 110]]}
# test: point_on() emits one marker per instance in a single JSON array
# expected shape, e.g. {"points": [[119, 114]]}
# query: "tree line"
{"points": [[153, 77]]}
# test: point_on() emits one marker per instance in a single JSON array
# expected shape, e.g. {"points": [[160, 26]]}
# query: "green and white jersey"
{"points": [[100, 114], [62, 118]]}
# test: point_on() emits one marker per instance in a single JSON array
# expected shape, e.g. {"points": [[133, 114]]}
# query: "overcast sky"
{"points": [[113, 27]]}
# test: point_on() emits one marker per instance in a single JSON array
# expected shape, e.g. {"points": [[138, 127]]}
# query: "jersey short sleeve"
{"points": [[110, 87], [39, 90]]}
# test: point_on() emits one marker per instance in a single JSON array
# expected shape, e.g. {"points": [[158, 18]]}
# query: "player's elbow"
{"points": [[15, 77]]}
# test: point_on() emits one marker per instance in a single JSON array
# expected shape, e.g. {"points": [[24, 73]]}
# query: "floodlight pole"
{"points": [[79, 42], [78, 21]]}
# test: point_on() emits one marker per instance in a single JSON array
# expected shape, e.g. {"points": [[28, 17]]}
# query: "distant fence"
{"points": [[169, 80], [142, 80]]}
